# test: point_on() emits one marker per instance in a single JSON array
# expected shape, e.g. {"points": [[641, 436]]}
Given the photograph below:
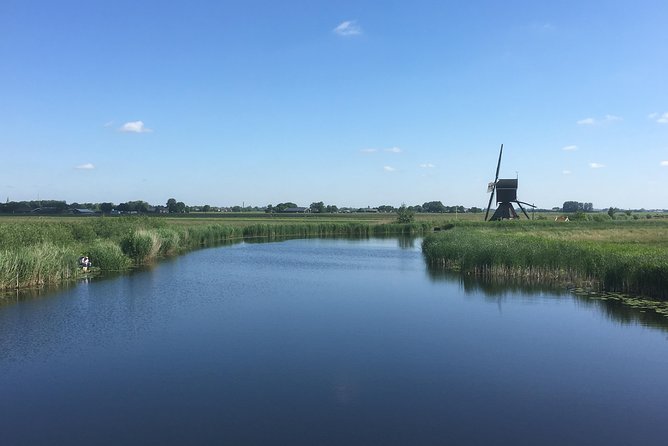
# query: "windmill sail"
{"points": [[491, 186]]}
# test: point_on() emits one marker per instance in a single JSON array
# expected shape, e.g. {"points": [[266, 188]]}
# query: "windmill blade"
{"points": [[489, 205], [492, 186], [498, 165]]}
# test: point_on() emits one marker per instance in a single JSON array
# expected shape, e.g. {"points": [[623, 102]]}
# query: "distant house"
{"points": [[45, 210], [83, 212], [297, 210]]}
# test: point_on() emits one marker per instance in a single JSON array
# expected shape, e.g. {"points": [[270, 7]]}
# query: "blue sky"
{"points": [[354, 103]]}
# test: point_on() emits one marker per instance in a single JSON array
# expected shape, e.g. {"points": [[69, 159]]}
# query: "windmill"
{"points": [[506, 194]]}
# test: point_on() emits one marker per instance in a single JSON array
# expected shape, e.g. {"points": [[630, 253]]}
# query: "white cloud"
{"points": [[134, 127], [566, 172], [427, 166], [596, 165], [593, 121], [661, 118], [570, 148], [87, 166], [348, 28], [664, 163], [389, 150], [389, 169], [109, 123]]}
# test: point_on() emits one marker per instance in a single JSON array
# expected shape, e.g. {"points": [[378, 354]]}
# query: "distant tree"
{"points": [[571, 206], [318, 207], [180, 207], [171, 206], [433, 207], [405, 215], [332, 208], [417, 208], [106, 208], [269, 209], [611, 212], [474, 210], [386, 208], [206, 208], [588, 207], [280, 207]]}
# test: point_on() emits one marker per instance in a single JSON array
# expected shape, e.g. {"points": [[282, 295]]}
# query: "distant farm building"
{"points": [[297, 210]]}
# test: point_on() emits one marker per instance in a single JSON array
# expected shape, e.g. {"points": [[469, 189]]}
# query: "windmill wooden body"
{"points": [[505, 190]]}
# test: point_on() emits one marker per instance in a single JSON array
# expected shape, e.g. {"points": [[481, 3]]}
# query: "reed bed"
{"points": [[607, 264], [35, 252]]}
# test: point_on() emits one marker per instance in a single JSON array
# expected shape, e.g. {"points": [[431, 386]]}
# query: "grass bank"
{"points": [[41, 251], [628, 257]]}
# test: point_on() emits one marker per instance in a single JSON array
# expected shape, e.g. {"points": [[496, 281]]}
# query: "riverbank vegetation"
{"points": [[619, 256], [38, 251], [628, 256]]}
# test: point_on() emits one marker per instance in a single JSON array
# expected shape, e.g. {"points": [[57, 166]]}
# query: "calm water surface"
{"points": [[324, 342]]}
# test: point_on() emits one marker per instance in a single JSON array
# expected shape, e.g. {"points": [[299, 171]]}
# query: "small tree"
{"points": [[171, 206], [611, 212], [405, 215], [318, 207]]}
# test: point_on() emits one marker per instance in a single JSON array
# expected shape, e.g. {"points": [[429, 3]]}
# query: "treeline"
{"points": [[172, 206]]}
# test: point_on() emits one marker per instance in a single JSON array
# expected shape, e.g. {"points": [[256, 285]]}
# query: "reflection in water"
{"points": [[324, 342], [616, 307]]}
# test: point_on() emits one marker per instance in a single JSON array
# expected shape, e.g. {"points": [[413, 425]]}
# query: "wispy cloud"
{"points": [[134, 127], [389, 150], [87, 166], [542, 27], [348, 28], [594, 121], [108, 123], [570, 148], [566, 172], [389, 169], [664, 163], [596, 165], [427, 166], [661, 118]]}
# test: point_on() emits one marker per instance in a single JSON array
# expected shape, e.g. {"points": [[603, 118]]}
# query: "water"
{"points": [[325, 342]]}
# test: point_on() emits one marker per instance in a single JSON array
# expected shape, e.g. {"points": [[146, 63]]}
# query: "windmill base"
{"points": [[505, 211]]}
